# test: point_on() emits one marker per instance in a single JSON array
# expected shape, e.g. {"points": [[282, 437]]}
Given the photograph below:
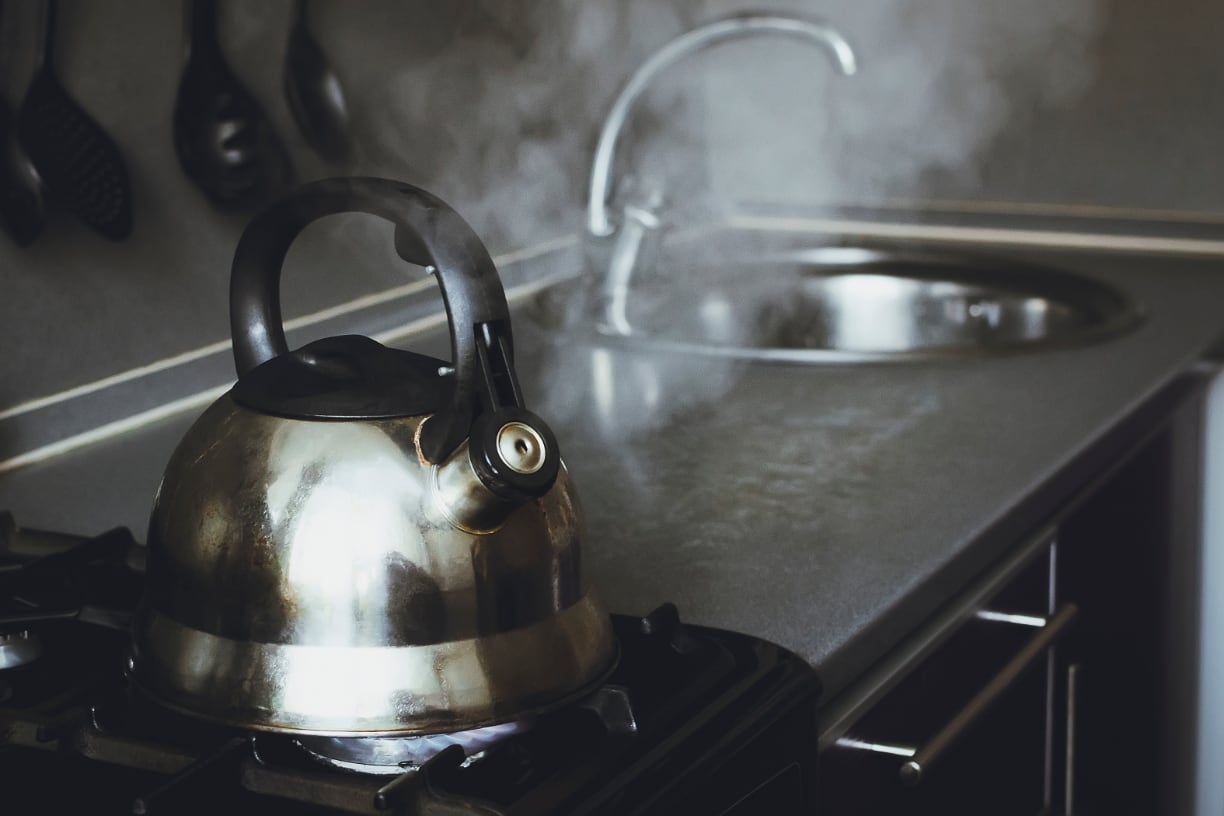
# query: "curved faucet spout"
{"points": [[690, 42]]}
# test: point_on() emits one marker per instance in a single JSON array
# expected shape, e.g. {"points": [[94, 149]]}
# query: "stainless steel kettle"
{"points": [[357, 540]]}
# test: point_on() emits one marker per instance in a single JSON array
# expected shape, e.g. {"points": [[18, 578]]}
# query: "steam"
{"points": [[500, 119], [501, 122], [939, 83]]}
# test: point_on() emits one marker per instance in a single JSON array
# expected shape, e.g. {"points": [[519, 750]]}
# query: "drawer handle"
{"points": [[922, 758]]}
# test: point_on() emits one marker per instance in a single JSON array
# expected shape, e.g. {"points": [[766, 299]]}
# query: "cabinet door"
{"points": [[1128, 560], [1115, 706]]}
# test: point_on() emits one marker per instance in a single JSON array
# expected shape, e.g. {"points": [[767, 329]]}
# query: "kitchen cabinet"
{"points": [[1100, 717], [1130, 556]]}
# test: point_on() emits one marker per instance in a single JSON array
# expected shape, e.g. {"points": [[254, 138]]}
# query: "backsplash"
{"points": [[77, 307], [1049, 106]]}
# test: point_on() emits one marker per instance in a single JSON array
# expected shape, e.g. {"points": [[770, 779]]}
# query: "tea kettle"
{"points": [[357, 540]]}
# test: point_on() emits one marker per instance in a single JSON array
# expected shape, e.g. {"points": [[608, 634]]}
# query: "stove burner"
{"points": [[19, 649], [691, 719], [395, 755]]}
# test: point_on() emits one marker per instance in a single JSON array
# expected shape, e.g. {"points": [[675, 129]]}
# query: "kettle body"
{"points": [[360, 541]]}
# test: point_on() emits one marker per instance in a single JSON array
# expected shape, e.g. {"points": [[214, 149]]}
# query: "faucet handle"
{"points": [[644, 198], [630, 252]]}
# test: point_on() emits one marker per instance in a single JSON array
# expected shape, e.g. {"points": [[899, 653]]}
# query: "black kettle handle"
{"points": [[428, 233]]}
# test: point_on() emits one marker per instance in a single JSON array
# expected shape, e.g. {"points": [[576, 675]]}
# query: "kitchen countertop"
{"points": [[830, 509]]}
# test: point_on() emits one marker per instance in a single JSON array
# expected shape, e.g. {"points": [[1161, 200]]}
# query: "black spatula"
{"points": [[21, 198], [21, 190], [224, 142], [77, 160], [315, 94]]}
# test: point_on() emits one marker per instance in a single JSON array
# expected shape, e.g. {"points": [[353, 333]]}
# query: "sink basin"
{"points": [[839, 304]]}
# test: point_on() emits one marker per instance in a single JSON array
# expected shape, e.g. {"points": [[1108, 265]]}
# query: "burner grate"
{"points": [[689, 719], [50, 578]]}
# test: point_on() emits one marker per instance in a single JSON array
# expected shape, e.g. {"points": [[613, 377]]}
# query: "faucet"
{"points": [[624, 246]]}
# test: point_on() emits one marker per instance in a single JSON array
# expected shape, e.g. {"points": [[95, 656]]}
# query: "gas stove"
{"points": [[691, 720]]}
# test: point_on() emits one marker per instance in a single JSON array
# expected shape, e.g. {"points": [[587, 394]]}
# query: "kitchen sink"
{"points": [[847, 304]]}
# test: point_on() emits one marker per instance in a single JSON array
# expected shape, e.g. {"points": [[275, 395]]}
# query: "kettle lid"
{"points": [[346, 377]]}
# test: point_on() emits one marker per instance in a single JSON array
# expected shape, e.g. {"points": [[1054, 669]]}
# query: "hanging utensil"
{"points": [[223, 140], [72, 153], [315, 94], [21, 188]]}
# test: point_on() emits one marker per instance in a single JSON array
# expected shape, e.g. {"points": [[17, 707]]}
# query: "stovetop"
{"points": [[692, 720]]}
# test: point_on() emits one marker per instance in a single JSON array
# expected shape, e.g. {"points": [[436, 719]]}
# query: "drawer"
{"points": [[976, 727]]}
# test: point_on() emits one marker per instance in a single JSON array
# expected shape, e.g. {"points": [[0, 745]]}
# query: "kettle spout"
{"points": [[511, 458]]}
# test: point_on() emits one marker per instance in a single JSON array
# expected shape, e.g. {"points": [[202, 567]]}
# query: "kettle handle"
{"points": [[428, 233]]}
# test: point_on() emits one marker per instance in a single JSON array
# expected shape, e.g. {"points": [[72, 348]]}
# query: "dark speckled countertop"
{"points": [[830, 509]]}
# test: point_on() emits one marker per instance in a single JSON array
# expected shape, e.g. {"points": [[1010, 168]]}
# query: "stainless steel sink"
{"points": [[838, 304]]}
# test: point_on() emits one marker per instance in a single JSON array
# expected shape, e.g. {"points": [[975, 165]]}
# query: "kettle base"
{"points": [[364, 691]]}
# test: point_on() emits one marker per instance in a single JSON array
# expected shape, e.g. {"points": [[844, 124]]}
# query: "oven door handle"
{"points": [[919, 760]]}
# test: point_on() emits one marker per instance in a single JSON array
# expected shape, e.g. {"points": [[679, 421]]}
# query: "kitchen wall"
{"points": [[493, 105], [1055, 105], [1144, 133], [419, 78]]}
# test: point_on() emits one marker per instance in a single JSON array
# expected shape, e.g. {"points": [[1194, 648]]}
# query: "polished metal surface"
{"points": [[1072, 713], [1051, 684], [459, 495], [19, 649], [885, 748], [303, 577], [395, 755], [632, 253], [913, 770], [919, 759], [521, 447], [684, 45], [621, 249], [842, 304], [1034, 621], [350, 691]]}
